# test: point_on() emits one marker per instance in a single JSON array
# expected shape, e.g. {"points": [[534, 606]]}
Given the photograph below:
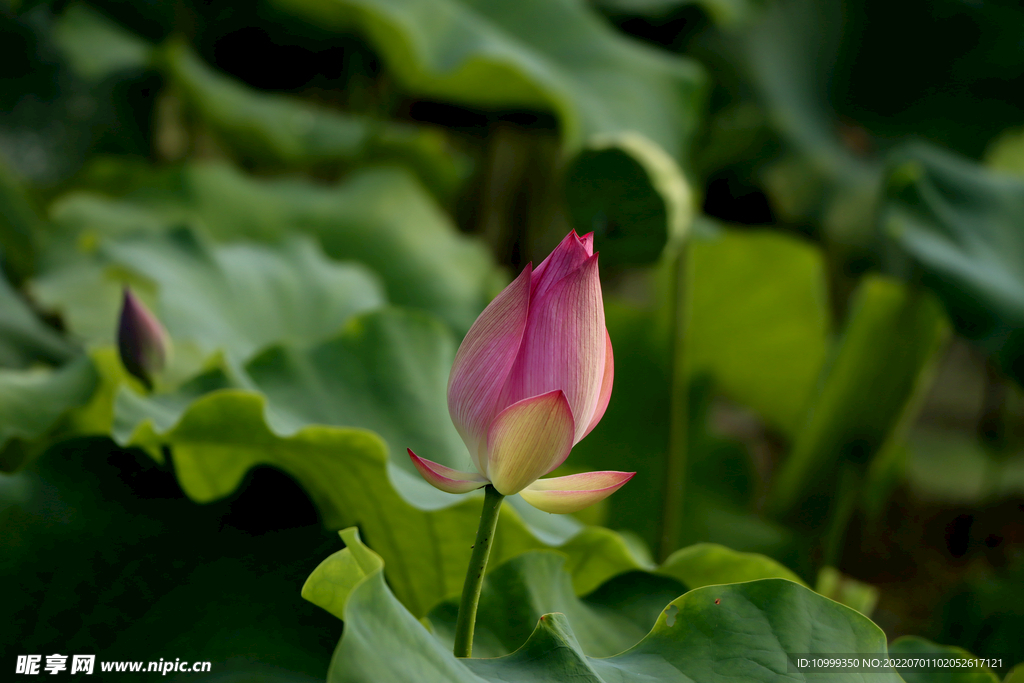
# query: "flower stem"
{"points": [[475, 574], [674, 499]]}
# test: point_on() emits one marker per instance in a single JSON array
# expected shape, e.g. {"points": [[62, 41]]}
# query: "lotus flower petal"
{"points": [[574, 492], [483, 362], [528, 439], [569, 255], [564, 346], [445, 478], [588, 243], [606, 384]]}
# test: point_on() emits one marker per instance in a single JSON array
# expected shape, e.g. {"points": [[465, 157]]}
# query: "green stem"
{"points": [[679, 418], [475, 574]]}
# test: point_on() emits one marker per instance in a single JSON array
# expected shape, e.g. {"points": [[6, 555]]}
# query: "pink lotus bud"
{"points": [[141, 340], [533, 376]]}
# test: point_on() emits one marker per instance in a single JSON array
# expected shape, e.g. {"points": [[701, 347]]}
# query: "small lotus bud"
{"points": [[141, 340]]}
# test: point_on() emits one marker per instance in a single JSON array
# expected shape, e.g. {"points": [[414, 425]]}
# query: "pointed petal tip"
{"points": [[588, 242], [561, 495], [445, 478]]}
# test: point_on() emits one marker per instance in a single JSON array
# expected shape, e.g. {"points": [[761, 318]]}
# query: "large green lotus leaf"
{"points": [[705, 564], [34, 401], [1005, 154], [611, 619], [520, 591], [738, 631], [96, 47], [1016, 675], [555, 55], [24, 338], [869, 393], [101, 553], [309, 412], [630, 194], [238, 298], [723, 12], [380, 217], [785, 53], [287, 131], [913, 647], [960, 225], [759, 320]]}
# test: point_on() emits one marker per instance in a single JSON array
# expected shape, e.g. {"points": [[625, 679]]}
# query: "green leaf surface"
{"points": [[856, 594], [723, 12], [609, 620], [519, 592], [707, 564], [786, 52], [743, 631], [1005, 154], [869, 392], [912, 646], [294, 133], [538, 55], [97, 47], [959, 225], [20, 226], [380, 217], [759, 320], [553, 55], [33, 401], [24, 338], [102, 554], [630, 194], [51, 116], [237, 298], [949, 466]]}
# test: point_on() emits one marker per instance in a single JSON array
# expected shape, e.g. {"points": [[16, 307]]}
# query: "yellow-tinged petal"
{"points": [[574, 492], [527, 440]]}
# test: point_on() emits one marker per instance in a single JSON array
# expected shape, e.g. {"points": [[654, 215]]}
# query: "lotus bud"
{"points": [[141, 340], [532, 377]]}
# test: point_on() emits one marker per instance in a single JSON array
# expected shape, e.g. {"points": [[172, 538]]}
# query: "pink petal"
{"points": [[445, 478], [574, 492], [564, 346], [606, 384], [588, 243], [527, 440], [567, 257], [483, 363]]}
